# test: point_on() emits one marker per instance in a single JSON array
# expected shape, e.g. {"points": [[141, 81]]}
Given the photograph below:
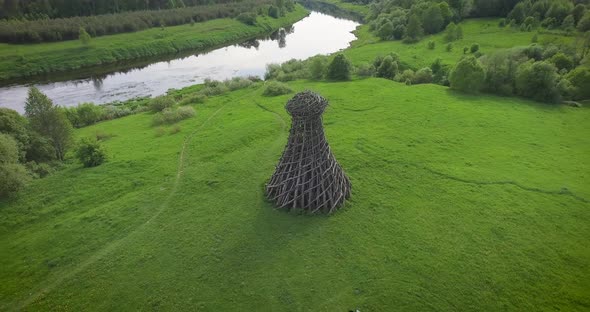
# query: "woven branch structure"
{"points": [[308, 177]]}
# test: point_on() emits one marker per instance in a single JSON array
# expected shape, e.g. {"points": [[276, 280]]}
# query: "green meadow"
{"points": [[460, 202], [23, 60]]}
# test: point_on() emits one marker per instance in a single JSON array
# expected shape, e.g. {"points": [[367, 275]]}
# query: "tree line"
{"points": [[47, 30], [36, 9]]}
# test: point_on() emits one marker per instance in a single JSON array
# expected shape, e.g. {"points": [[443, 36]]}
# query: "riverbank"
{"points": [[19, 61]]}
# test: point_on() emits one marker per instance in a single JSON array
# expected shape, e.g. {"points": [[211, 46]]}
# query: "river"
{"points": [[315, 34]]}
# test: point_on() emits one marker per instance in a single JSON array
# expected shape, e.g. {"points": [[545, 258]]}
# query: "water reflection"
{"points": [[316, 34]]}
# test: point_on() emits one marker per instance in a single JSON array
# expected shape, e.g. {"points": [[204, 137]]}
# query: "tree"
{"points": [[84, 36], [339, 68], [49, 121], [414, 29], [432, 19], [562, 61], [468, 75], [15, 125], [273, 11], [14, 178], [568, 23], [445, 10], [459, 32], [538, 81], [474, 48], [8, 149], [388, 68], [518, 13], [578, 12]]}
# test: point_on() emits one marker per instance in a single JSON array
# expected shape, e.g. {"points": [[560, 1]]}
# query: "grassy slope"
{"points": [[485, 32], [459, 203], [31, 59]]}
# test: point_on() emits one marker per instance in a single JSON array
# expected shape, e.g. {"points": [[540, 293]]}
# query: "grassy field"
{"points": [[461, 203], [36, 59], [485, 32]]}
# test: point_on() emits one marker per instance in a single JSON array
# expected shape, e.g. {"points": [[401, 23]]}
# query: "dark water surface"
{"points": [[316, 34]]}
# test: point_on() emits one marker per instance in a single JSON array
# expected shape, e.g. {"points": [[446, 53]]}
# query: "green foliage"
{"points": [[414, 29], [432, 19], [9, 152], [194, 99], [160, 103], [431, 45], [474, 48], [365, 70], [580, 81], [14, 178], [247, 18], [387, 68], [423, 75], [562, 61], [339, 69], [578, 12], [518, 13], [84, 36], [273, 12], [451, 32], [85, 114], [317, 67], [535, 38], [584, 23], [449, 47], [15, 125], [275, 88], [468, 75], [91, 153], [385, 32], [170, 115], [538, 81]]}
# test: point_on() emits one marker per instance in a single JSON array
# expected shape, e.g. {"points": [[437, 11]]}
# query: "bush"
{"points": [[8, 149], [423, 75], [317, 67], [431, 45], [194, 99], [247, 18], [175, 129], [468, 75], [339, 68], [474, 48], [39, 170], [562, 61], [365, 70], [388, 68], [584, 23], [85, 114], [580, 81], [275, 88], [465, 49], [90, 153], [538, 81], [449, 47], [273, 11], [237, 83], [170, 116], [535, 38], [14, 178], [160, 103]]}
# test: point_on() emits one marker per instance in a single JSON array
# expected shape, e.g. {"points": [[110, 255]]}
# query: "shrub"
{"points": [[535, 38], [84, 36], [580, 81], [237, 83], [405, 76], [15, 125], [170, 116], [8, 149], [175, 129], [538, 81], [160, 131], [449, 47], [451, 32], [317, 67], [388, 68], [474, 48], [247, 18], [584, 23], [14, 178], [468, 75], [39, 170], [90, 153], [365, 70], [339, 68], [194, 99], [85, 114], [562, 61], [160, 103], [273, 11], [275, 88], [465, 49], [431, 45], [423, 75]]}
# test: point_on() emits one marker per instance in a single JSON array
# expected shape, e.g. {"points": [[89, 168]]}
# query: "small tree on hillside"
{"points": [[339, 69], [84, 36], [385, 32], [538, 80], [451, 32], [432, 19], [468, 75], [388, 68]]}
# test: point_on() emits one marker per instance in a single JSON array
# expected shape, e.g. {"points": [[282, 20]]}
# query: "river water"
{"points": [[316, 34]]}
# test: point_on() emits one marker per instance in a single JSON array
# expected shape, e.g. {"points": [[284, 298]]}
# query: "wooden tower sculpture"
{"points": [[308, 177]]}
